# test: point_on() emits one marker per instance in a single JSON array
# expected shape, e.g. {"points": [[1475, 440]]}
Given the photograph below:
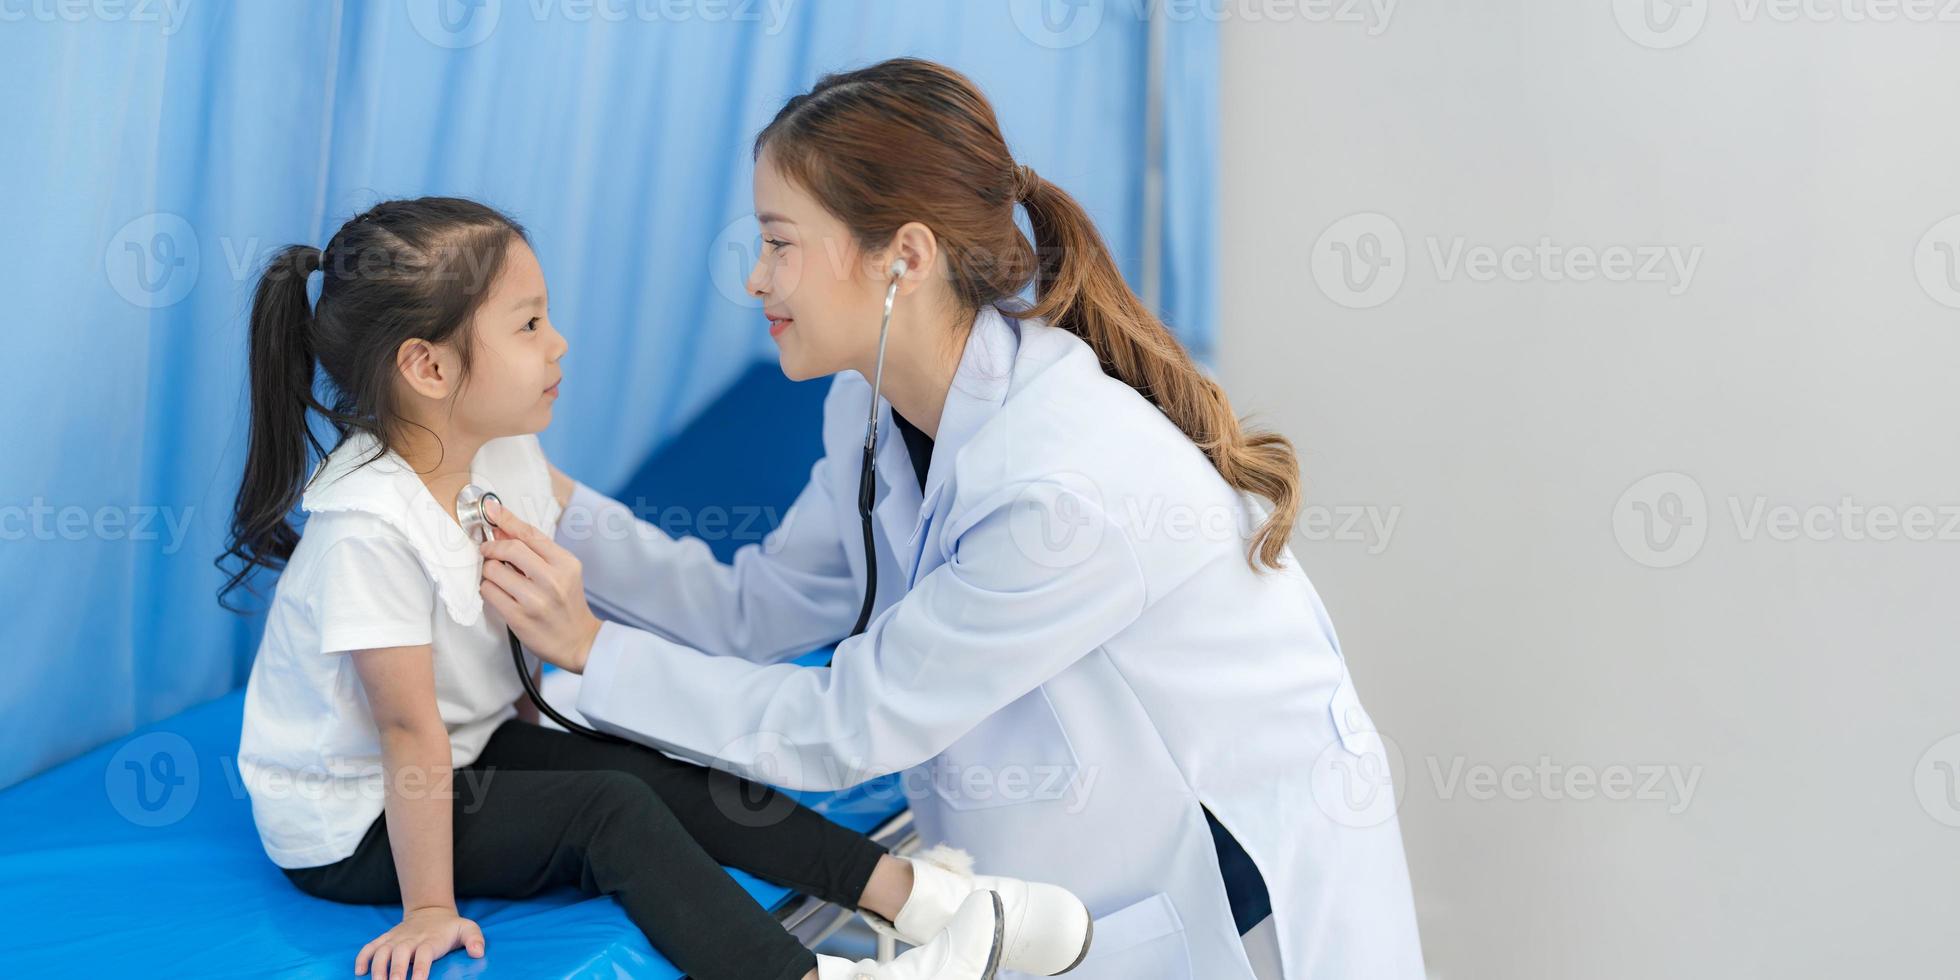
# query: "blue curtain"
{"points": [[157, 151]]}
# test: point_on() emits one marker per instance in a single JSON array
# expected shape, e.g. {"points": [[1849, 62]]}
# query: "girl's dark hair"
{"points": [[909, 140], [403, 270]]}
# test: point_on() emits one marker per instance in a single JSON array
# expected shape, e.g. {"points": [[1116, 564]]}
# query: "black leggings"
{"points": [[542, 808]]}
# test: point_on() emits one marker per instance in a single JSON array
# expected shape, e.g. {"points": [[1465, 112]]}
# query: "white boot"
{"points": [[967, 947], [1047, 928]]}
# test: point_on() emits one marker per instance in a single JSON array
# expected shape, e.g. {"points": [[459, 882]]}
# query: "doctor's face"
{"points": [[820, 295]]}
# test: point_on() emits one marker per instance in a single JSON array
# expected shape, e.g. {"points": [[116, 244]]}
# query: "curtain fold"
{"points": [[158, 152]]}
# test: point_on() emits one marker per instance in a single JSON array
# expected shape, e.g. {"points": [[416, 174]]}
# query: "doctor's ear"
{"points": [[430, 370], [912, 257]]}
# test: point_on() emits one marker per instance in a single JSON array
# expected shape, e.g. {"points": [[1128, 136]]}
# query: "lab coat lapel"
{"points": [[897, 509], [978, 390]]}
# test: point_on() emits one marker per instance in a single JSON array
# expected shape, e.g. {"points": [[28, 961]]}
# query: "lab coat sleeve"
{"points": [[781, 597], [1010, 609]]}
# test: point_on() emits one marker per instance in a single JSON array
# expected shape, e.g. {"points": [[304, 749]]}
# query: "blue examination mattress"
{"points": [[140, 859]]}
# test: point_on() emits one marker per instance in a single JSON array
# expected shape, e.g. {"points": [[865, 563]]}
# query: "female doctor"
{"points": [[1091, 651]]}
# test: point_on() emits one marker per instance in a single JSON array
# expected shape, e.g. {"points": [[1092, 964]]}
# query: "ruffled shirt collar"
{"points": [[388, 489]]}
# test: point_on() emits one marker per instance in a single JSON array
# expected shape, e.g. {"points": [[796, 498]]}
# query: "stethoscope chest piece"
{"points": [[469, 512], [476, 524]]}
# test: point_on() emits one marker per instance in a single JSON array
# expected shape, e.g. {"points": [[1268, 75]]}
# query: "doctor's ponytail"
{"points": [[1080, 290], [909, 140]]}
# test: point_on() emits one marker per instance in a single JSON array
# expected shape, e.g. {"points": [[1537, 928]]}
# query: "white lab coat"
{"points": [[1070, 656]]}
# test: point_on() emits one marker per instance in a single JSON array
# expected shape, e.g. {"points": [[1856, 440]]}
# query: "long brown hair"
{"points": [[909, 140]]}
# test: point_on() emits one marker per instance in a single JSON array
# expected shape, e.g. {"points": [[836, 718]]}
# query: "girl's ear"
{"points": [[919, 247], [426, 368]]}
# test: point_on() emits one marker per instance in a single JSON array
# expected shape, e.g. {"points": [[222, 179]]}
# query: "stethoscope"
{"points": [[469, 512], [867, 483]]}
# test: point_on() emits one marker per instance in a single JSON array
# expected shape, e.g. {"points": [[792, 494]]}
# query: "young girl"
{"points": [[382, 746]]}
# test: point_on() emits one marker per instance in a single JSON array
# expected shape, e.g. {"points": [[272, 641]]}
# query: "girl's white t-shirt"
{"points": [[380, 563]]}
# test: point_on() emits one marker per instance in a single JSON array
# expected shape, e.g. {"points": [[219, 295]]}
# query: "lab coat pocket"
{"points": [[1019, 754], [1141, 941]]}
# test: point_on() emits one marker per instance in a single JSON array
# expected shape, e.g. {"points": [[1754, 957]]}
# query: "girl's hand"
{"points": [[425, 936], [539, 589]]}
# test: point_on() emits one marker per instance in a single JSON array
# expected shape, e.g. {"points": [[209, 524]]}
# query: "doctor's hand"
{"points": [[539, 589]]}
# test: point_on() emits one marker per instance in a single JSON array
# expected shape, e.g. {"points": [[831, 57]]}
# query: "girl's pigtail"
{"points": [[281, 367]]}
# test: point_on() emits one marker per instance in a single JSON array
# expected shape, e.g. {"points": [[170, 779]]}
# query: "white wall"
{"points": [[1517, 611]]}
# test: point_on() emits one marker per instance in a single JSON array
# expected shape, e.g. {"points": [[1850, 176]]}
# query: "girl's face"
{"points": [[822, 299], [514, 373]]}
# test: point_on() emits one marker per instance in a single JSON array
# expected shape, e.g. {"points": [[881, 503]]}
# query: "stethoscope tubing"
{"points": [[469, 510], [867, 485]]}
